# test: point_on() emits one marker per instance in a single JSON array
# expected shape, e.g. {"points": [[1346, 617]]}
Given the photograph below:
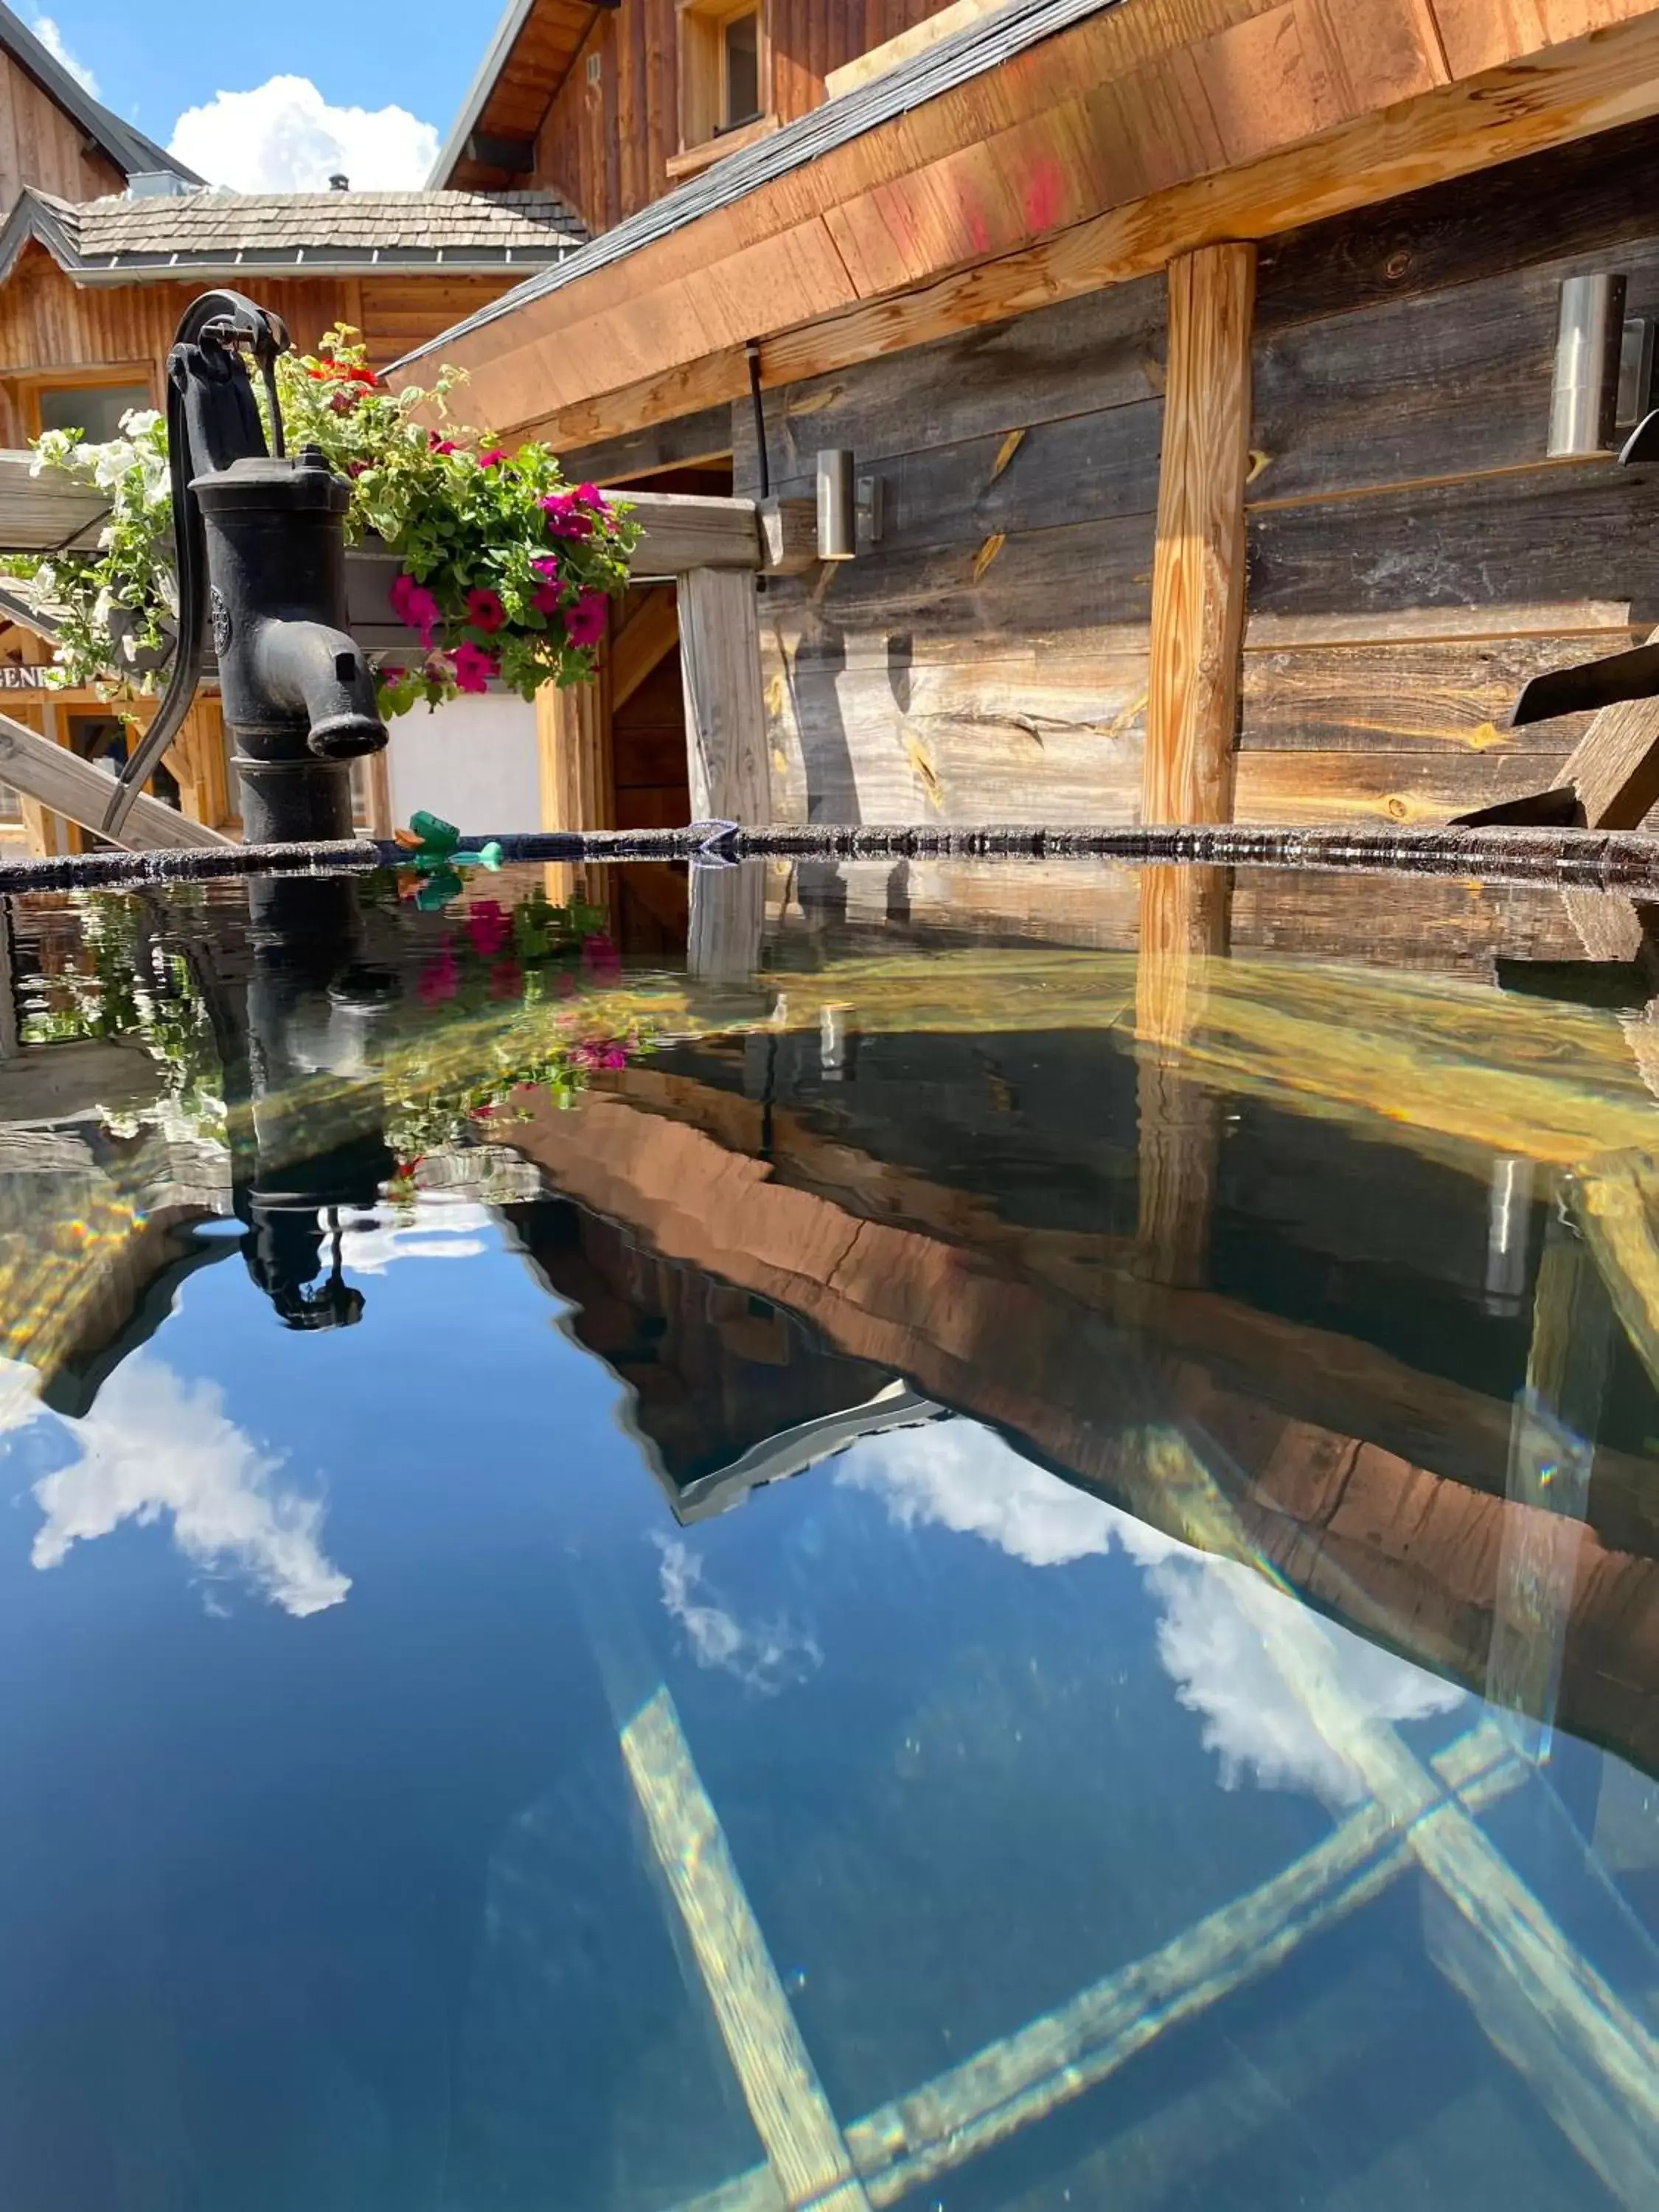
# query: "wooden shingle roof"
{"points": [[215, 232]]}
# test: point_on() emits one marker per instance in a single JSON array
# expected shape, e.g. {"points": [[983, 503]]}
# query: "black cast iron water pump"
{"points": [[261, 555]]}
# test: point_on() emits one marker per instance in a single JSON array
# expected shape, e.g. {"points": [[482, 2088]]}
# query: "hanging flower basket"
{"points": [[468, 565]]}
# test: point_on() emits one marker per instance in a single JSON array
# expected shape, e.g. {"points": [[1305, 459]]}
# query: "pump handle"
{"points": [[212, 329]]}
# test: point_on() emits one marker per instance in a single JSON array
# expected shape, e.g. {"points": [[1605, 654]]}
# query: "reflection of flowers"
{"points": [[118, 981], [440, 978], [544, 955], [488, 926]]}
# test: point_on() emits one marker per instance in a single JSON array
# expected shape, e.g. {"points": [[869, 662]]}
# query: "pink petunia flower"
{"points": [[545, 598], [415, 606], [358, 468], [584, 623], [505, 980], [565, 515], [492, 457], [484, 609], [473, 667], [437, 445]]}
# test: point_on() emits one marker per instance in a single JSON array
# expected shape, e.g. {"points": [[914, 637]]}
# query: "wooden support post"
{"points": [[577, 784], [1552, 1449], [1184, 917], [725, 762], [1198, 569], [725, 710]]}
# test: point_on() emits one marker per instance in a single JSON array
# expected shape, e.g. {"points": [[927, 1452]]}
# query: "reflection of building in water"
{"points": [[728, 1391], [1366, 1456]]}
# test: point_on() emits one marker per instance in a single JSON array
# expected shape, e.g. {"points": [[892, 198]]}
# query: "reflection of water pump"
{"points": [[262, 560], [310, 1008]]}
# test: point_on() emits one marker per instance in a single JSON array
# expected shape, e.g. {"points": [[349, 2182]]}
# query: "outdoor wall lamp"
{"points": [[1603, 368], [848, 506]]}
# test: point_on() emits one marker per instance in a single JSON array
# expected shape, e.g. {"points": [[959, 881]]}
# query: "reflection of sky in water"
{"points": [[313, 1904], [963, 1477]]}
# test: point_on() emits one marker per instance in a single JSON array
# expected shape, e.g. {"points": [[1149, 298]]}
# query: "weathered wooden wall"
{"points": [[41, 145], [989, 655], [49, 327], [607, 146], [1414, 556]]}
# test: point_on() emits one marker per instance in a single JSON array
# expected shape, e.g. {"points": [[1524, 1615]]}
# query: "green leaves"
{"points": [[465, 515]]}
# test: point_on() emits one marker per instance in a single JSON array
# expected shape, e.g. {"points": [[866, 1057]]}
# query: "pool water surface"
{"points": [[1002, 1556]]}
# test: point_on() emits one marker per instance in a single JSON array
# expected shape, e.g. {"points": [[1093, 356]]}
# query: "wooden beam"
{"points": [[1614, 767], [683, 530], [41, 513], [1184, 918], [60, 779], [1198, 569], [572, 738], [645, 639], [725, 762], [725, 710], [590, 373]]}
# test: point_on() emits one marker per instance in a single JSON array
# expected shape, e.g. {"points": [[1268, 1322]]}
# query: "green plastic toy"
{"points": [[431, 854]]}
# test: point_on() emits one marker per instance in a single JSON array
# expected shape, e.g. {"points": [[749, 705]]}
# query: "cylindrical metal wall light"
{"points": [[1584, 393], [837, 506]]}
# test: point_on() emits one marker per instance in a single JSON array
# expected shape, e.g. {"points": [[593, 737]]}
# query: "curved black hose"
{"points": [[267, 338]]}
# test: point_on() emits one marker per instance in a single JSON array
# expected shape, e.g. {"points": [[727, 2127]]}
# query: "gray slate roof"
{"points": [[195, 234], [972, 53], [132, 153]]}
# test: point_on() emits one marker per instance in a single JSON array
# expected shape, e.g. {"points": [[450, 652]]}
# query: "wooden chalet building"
{"points": [[1199, 352], [105, 240]]}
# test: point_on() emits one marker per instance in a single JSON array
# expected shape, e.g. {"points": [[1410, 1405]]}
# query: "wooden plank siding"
{"points": [[49, 327], [606, 172], [41, 145], [990, 655], [1413, 557]]}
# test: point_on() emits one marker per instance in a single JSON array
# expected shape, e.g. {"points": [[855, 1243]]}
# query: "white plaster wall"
{"points": [[473, 762]]}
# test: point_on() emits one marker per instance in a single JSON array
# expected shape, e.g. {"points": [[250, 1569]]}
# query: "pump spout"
{"points": [[313, 670]]}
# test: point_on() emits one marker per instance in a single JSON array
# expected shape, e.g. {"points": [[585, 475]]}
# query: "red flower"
{"points": [[343, 402], [437, 445], [492, 457], [474, 666], [584, 623], [357, 468], [362, 375], [484, 609]]}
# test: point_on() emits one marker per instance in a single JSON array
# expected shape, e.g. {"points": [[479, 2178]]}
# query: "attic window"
{"points": [[723, 68]]}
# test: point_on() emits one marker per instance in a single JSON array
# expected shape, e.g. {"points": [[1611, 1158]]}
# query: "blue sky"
{"points": [[153, 62]]}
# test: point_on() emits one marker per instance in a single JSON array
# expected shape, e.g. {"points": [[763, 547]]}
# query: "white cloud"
{"points": [[284, 137], [153, 1446], [452, 1231], [965, 1478], [51, 39], [770, 1656]]}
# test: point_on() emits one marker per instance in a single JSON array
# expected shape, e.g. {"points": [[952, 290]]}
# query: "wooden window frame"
{"points": [[705, 129], [29, 384]]}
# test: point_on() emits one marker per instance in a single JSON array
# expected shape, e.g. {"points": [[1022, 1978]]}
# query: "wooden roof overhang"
{"points": [[1140, 129], [492, 145]]}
